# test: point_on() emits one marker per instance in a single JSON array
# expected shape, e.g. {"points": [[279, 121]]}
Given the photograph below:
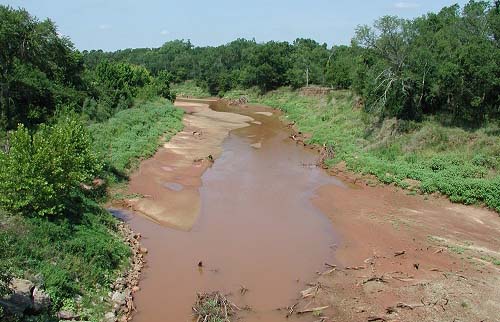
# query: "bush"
{"points": [[42, 173]]}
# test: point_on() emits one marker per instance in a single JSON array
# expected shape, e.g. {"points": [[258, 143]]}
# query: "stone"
{"points": [[20, 299], [67, 315], [41, 300], [119, 298], [110, 317]]}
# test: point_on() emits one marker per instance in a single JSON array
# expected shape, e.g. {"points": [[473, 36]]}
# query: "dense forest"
{"points": [[445, 62]]}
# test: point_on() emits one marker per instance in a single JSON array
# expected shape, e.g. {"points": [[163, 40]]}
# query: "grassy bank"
{"points": [[426, 156], [189, 89], [77, 254], [134, 134]]}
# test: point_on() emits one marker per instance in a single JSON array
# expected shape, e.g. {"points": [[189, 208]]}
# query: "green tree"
{"points": [[42, 174], [39, 70]]}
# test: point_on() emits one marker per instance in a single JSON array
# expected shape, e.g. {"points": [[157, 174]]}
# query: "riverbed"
{"points": [[256, 228]]}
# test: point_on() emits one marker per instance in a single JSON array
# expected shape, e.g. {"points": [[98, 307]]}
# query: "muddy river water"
{"points": [[256, 227]]}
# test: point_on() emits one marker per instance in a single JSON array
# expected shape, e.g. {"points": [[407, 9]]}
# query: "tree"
{"points": [[41, 174], [39, 70]]}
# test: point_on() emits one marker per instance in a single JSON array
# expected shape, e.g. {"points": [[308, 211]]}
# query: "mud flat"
{"points": [[168, 184]]}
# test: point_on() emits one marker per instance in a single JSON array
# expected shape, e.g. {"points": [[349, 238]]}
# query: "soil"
{"points": [[168, 184], [265, 219], [405, 258]]}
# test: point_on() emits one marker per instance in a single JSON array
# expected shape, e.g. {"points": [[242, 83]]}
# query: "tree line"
{"points": [[48, 97], [41, 73], [440, 63]]}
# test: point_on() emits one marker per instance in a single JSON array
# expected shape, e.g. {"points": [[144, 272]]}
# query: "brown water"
{"points": [[257, 228]]}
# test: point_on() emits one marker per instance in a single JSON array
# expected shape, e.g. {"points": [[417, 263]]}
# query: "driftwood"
{"points": [[380, 279], [312, 291], [291, 309], [396, 254], [213, 307], [239, 101], [327, 153], [312, 310]]}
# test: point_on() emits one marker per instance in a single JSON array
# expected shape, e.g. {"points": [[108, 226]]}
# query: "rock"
{"points": [[41, 300], [136, 289], [144, 250], [110, 317], [119, 298], [20, 299], [67, 315]]}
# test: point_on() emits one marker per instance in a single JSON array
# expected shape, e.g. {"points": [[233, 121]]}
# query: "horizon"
{"points": [[117, 25]]}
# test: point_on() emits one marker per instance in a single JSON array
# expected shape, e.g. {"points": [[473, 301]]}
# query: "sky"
{"points": [[119, 24]]}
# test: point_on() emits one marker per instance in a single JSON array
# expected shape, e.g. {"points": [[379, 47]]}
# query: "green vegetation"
{"points": [[42, 173], [443, 64], [73, 259], [189, 89], [455, 162], [63, 128], [133, 134]]}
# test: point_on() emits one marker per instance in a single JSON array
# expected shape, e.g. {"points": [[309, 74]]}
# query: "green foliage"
{"points": [[241, 63], [66, 257], [133, 134], [41, 174], [445, 62], [39, 70], [189, 89], [442, 63], [462, 165]]}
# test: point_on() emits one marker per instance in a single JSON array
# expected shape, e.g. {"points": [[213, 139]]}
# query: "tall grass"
{"points": [[134, 134]]}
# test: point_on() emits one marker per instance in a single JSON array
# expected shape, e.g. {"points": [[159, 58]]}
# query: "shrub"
{"points": [[42, 174]]}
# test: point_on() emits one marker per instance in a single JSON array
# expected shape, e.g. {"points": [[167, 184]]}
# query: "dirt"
{"points": [[168, 184], [265, 218], [409, 258]]}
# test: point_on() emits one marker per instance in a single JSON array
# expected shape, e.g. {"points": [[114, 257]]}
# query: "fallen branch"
{"points": [[291, 309], [213, 307], [396, 254], [380, 279], [315, 309], [312, 291]]}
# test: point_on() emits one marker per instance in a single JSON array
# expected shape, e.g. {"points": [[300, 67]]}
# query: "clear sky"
{"points": [[118, 24]]}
